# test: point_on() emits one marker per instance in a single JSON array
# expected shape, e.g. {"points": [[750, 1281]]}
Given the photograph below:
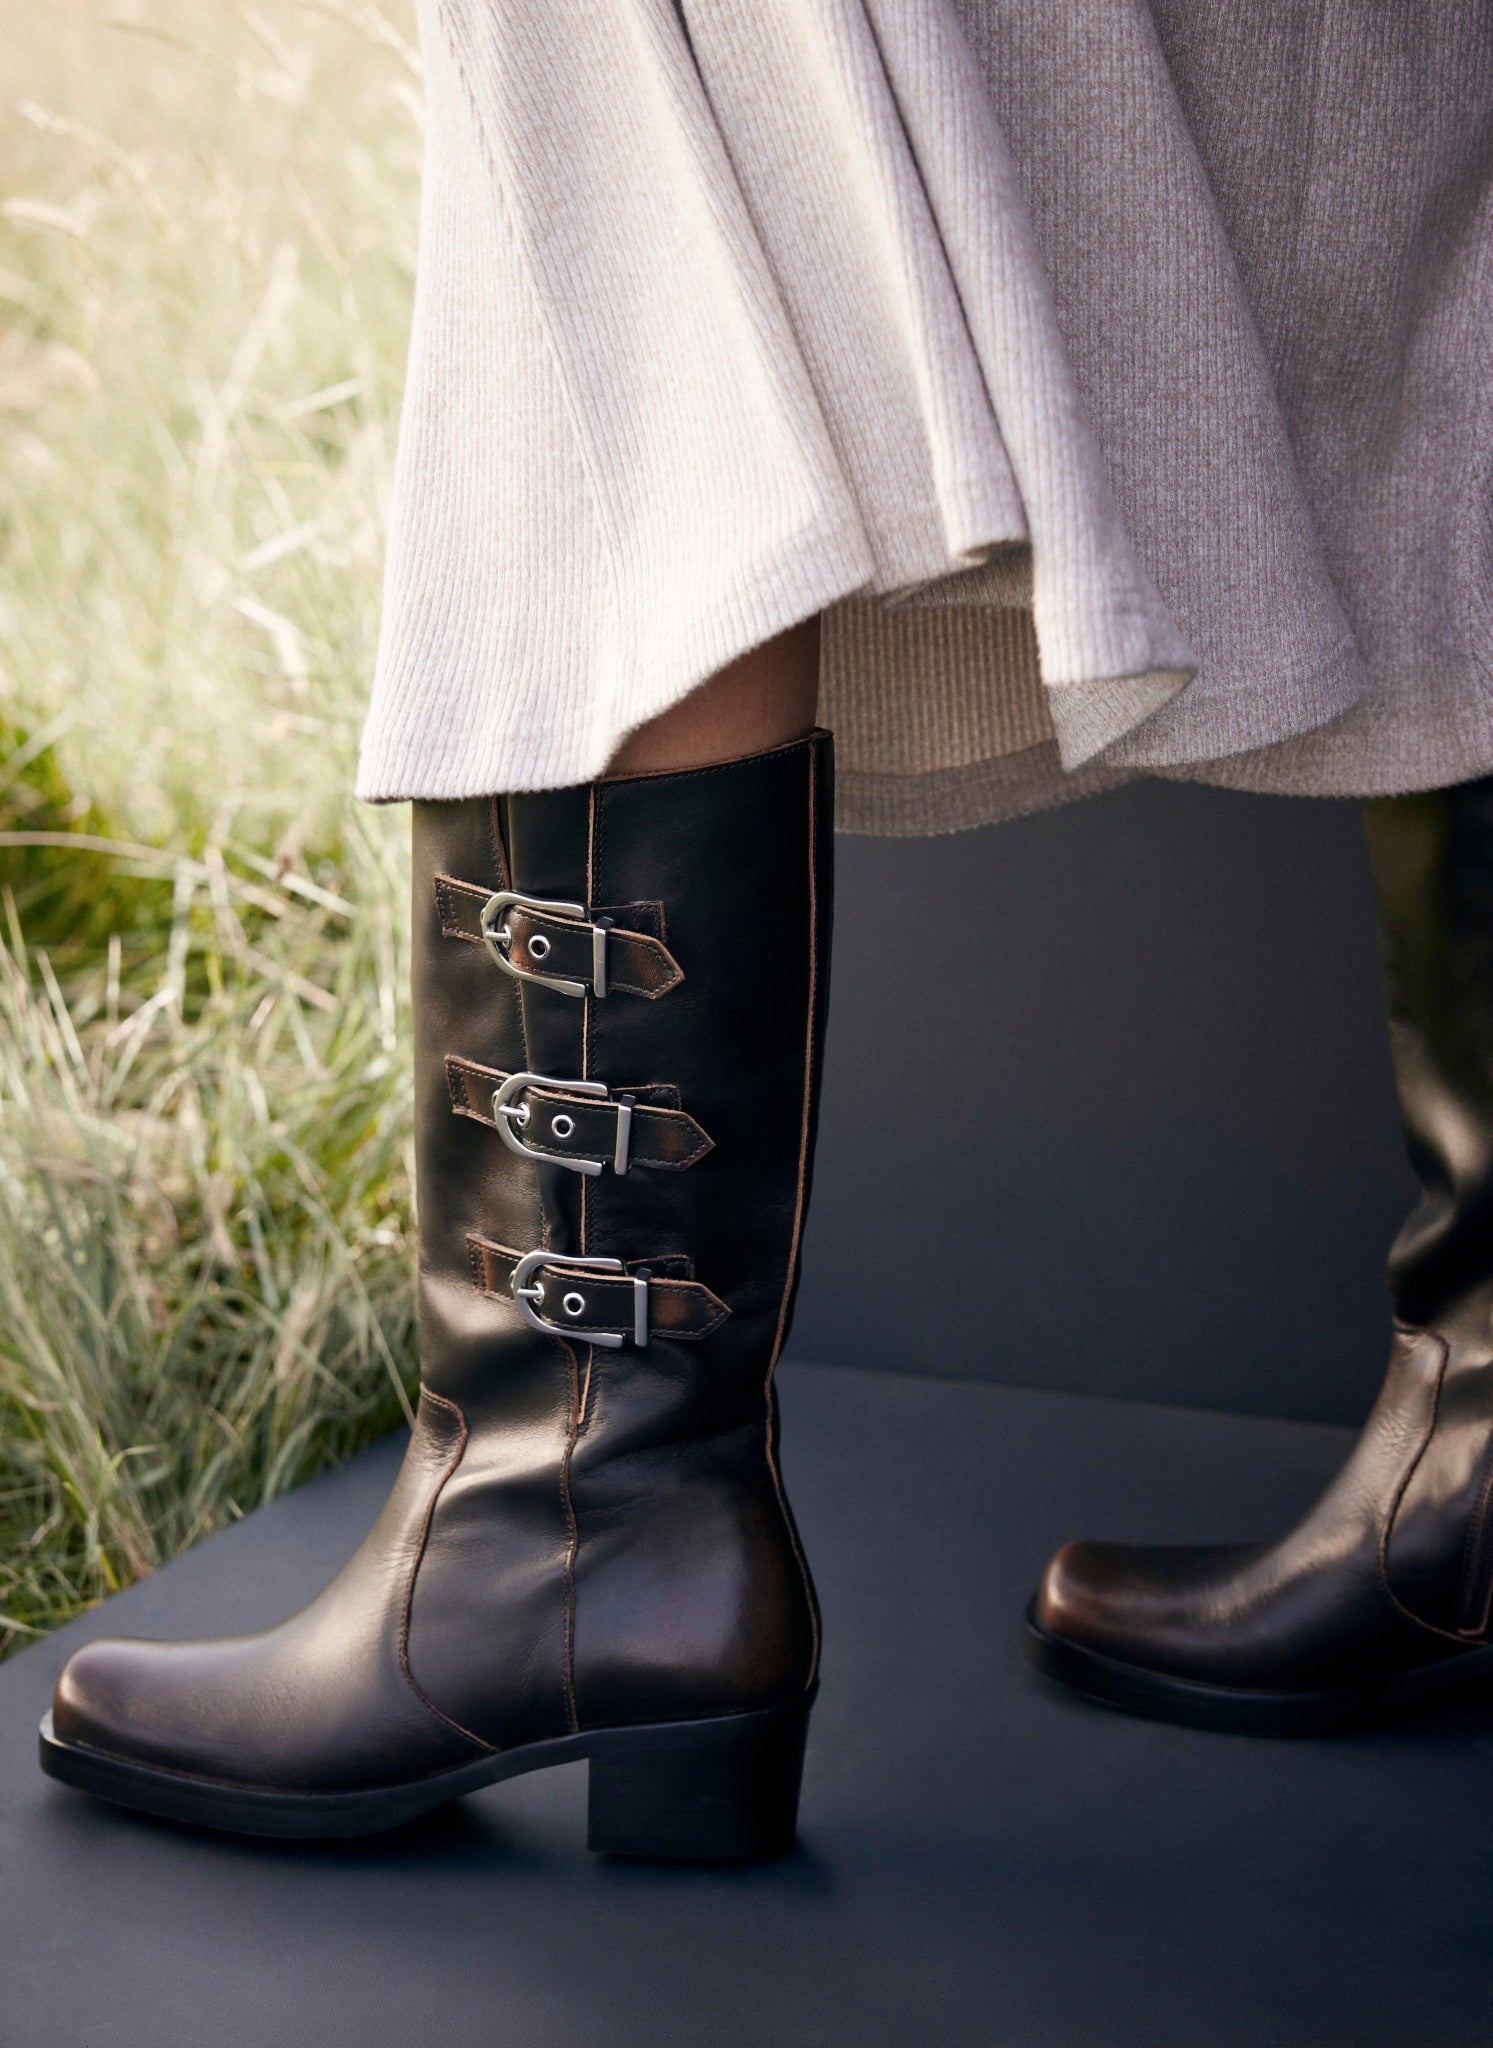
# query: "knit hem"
{"points": [[398, 763], [961, 799]]}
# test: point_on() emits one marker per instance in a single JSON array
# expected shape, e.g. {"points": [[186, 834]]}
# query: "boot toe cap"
{"points": [[1081, 1596], [108, 1697], [1181, 1610]]}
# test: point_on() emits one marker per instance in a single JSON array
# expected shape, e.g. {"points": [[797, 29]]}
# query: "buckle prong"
{"points": [[512, 1117], [529, 1294], [497, 936]]}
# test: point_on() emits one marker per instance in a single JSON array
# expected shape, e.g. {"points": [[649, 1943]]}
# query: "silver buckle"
{"points": [[497, 936], [511, 1117], [527, 1291]]}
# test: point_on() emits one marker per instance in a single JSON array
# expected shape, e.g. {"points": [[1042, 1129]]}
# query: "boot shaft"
{"points": [[1432, 862], [656, 955], [1431, 858], [619, 1003]]}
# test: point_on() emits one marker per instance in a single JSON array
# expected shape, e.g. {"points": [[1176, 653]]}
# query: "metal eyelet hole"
{"points": [[573, 1303], [538, 1292], [539, 946], [519, 1116], [562, 1125]]}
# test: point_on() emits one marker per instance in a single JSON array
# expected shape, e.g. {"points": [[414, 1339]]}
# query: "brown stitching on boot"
{"points": [[456, 1085], [798, 1217], [644, 915], [669, 1123], [445, 904], [666, 1267], [460, 906], [477, 1250], [697, 1150], [567, 1688], [577, 1393], [631, 917], [568, 1671], [409, 1592], [687, 1290], [643, 918], [499, 850], [671, 1296], [669, 1088], [1396, 1499], [673, 977], [587, 1021]]}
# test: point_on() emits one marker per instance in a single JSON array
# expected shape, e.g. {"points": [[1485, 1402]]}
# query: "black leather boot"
{"points": [[619, 1002], [1380, 1598]]}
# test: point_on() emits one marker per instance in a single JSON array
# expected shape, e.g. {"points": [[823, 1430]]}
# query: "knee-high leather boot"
{"points": [[1381, 1596], [619, 1002]]}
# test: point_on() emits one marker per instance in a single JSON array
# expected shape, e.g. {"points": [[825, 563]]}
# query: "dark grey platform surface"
{"points": [[982, 1862]]}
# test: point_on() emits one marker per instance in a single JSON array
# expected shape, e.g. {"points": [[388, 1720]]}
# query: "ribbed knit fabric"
{"points": [[1097, 369]]}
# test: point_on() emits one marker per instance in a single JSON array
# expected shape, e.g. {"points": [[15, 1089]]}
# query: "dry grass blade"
{"points": [[207, 220]]}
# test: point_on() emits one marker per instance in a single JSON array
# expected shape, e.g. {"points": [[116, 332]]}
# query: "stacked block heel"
{"points": [[703, 1791]]}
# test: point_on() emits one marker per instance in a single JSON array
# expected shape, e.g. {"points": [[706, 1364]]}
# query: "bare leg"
{"points": [[763, 700]]}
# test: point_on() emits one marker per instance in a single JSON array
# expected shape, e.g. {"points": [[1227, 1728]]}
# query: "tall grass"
{"points": [[206, 243]]}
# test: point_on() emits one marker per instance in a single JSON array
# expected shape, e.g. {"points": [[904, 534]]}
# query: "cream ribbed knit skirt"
{"points": [[1114, 376]]}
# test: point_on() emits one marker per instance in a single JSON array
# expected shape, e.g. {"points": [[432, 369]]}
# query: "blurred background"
{"points": [[1122, 1111], [207, 222]]}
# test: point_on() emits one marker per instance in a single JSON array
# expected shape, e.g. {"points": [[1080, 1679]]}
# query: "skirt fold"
{"points": [[1101, 372]]}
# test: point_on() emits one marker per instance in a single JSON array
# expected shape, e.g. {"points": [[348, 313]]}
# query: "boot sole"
{"points": [[723, 1789], [1236, 1711]]}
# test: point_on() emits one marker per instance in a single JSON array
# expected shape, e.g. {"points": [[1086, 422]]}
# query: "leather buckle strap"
{"points": [[561, 946], [580, 1124], [509, 942], [595, 1300]]}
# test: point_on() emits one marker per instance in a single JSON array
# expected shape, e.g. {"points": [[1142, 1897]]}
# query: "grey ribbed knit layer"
{"points": [[1115, 376]]}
